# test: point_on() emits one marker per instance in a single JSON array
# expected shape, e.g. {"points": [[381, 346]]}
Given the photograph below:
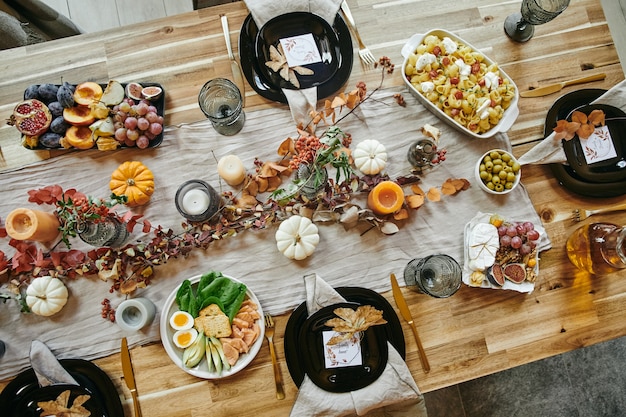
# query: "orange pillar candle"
{"points": [[386, 198], [27, 224]]}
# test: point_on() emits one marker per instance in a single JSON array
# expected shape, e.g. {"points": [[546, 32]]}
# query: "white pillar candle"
{"points": [[196, 202], [231, 169]]}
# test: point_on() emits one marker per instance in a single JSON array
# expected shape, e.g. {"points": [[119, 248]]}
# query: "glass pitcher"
{"points": [[598, 248]]}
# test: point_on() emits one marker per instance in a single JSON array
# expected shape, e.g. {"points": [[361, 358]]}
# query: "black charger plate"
{"points": [[293, 342], [331, 77], [24, 388], [565, 174], [373, 354]]}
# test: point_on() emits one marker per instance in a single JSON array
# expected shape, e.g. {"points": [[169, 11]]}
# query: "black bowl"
{"points": [[329, 77]]}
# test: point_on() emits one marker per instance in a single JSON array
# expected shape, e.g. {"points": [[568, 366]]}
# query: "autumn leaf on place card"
{"points": [[584, 131], [349, 321], [596, 117], [565, 130], [579, 117], [59, 407]]}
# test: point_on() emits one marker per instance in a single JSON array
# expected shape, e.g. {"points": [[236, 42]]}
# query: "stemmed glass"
{"points": [[520, 26]]}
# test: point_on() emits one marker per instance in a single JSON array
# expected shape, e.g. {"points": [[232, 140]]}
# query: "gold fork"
{"points": [[269, 334], [366, 55], [579, 215]]}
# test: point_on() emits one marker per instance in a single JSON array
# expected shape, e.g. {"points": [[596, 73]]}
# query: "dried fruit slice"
{"points": [[515, 272], [133, 90], [113, 93], [152, 92], [31, 117]]}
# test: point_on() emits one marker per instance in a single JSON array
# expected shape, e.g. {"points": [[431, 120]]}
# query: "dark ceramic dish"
{"points": [[567, 175], [302, 359], [329, 76], [24, 390]]}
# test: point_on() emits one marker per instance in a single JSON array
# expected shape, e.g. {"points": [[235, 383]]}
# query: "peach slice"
{"points": [[79, 115], [80, 137], [87, 92]]}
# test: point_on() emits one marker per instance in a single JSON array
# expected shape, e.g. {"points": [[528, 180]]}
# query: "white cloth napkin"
{"points": [[47, 368], [301, 101], [395, 389], [550, 151]]}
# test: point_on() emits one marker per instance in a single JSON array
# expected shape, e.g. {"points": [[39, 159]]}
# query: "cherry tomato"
{"points": [[433, 74], [458, 94], [437, 51], [475, 67], [454, 80]]}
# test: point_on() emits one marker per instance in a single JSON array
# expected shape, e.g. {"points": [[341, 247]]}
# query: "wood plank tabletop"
{"points": [[569, 309]]}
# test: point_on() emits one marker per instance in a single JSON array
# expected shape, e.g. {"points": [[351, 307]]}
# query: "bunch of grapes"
{"points": [[520, 236], [136, 124]]}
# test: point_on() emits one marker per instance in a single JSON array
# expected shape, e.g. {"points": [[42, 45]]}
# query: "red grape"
{"points": [[516, 242]]}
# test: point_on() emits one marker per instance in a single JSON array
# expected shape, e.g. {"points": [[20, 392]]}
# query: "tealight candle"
{"points": [[231, 169], [27, 224], [197, 201], [386, 198]]}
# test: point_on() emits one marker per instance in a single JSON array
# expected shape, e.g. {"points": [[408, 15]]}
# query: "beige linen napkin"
{"points": [[47, 368], [301, 101], [550, 151], [395, 389]]}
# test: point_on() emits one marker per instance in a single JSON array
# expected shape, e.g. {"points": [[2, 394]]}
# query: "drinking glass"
{"points": [[220, 100], [520, 26], [436, 275], [106, 232]]}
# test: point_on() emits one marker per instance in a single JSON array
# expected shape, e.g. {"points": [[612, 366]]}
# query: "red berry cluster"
{"points": [[108, 312], [386, 63], [306, 148]]}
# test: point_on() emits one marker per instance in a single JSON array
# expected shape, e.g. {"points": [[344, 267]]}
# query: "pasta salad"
{"points": [[460, 82]]}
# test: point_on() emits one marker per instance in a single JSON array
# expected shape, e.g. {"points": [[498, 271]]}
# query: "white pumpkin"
{"points": [[46, 295], [297, 237], [370, 156]]}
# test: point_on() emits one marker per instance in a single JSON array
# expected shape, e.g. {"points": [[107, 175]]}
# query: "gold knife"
{"points": [[406, 314], [129, 376], [234, 65], [550, 89]]}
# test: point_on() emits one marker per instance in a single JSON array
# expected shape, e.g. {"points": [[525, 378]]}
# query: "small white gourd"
{"points": [[297, 237], [46, 295], [370, 156]]}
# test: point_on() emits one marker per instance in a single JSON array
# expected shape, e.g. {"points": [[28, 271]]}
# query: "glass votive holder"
{"points": [[421, 153], [105, 232], [197, 201], [436, 275], [221, 102]]}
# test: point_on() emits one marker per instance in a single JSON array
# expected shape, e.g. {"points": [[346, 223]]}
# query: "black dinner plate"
{"points": [[294, 24], [331, 76], [610, 170], [293, 342], [31, 405], [373, 353], [25, 388], [566, 174]]}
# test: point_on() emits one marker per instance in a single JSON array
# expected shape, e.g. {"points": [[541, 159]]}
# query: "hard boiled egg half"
{"points": [[184, 338], [181, 320]]}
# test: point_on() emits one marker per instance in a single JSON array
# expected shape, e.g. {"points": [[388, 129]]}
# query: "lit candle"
{"points": [[386, 198], [196, 202], [231, 169], [27, 224]]}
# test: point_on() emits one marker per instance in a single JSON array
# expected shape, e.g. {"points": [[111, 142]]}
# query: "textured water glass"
{"points": [[521, 26], [107, 232], [221, 102], [436, 275]]}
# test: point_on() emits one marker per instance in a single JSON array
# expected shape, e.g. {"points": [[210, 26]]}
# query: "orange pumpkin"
{"points": [[134, 180]]}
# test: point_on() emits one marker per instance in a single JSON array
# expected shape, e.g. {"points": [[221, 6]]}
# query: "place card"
{"points": [[598, 146], [300, 50], [347, 353]]}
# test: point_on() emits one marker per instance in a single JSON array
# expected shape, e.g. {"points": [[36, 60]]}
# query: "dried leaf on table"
{"points": [[434, 194], [415, 201]]}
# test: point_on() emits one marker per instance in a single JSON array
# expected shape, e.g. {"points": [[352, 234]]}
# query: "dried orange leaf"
{"points": [[596, 117], [401, 214], [274, 183], [287, 147], [338, 101], [252, 187], [448, 188], [579, 117], [585, 131], [415, 201], [417, 190], [434, 194], [263, 184], [353, 100]]}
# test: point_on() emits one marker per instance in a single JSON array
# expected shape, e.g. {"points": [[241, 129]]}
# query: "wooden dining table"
{"points": [[568, 309]]}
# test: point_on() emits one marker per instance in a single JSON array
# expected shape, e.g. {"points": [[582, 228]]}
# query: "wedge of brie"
{"points": [[483, 244]]}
